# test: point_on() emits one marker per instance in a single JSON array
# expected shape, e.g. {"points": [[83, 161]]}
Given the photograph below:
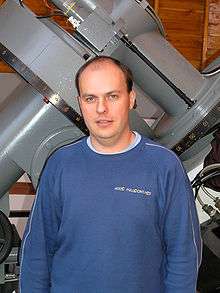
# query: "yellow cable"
{"points": [[70, 7]]}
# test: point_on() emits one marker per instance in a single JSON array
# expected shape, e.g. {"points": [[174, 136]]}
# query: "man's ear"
{"points": [[78, 99], [132, 96]]}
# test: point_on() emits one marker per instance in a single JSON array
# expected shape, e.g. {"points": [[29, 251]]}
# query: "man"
{"points": [[114, 212]]}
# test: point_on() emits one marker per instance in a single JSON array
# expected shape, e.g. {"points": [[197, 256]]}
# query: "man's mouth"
{"points": [[103, 122]]}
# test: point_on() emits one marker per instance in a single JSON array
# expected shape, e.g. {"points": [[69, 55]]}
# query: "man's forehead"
{"points": [[96, 65], [96, 74], [100, 65]]}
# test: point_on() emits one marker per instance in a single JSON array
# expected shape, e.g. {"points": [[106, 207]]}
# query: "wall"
{"points": [[184, 24]]}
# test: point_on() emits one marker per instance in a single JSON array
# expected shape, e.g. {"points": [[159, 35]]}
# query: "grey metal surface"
{"points": [[4, 204], [38, 84], [180, 71], [72, 42], [49, 57], [80, 10], [139, 124], [25, 123], [171, 63], [130, 11], [56, 57], [91, 21], [97, 31], [208, 99], [54, 140], [8, 82]]}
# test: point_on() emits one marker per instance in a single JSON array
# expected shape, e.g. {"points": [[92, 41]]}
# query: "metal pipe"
{"points": [[178, 91]]}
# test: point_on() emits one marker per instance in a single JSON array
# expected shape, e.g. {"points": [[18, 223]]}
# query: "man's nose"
{"points": [[102, 106]]}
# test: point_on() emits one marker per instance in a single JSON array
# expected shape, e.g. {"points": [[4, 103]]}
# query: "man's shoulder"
{"points": [[66, 153], [159, 152], [157, 157]]}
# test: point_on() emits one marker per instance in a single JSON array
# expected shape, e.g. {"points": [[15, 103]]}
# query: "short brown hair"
{"points": [[126, 71]]}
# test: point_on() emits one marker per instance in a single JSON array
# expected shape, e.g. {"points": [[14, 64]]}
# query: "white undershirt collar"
{"points": [[131, 146]]}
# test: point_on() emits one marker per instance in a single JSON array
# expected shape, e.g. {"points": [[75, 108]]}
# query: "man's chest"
{"points": [[111, 198]]}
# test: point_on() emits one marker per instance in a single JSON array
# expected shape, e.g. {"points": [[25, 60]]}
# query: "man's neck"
{"points": [[112, 145]]}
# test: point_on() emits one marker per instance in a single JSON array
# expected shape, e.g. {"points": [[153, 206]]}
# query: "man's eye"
{"points": [[113, 97], [89, 99]]}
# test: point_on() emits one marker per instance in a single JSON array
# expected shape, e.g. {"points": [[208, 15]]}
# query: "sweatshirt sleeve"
{"points": [[39, 241], [181, 233]]}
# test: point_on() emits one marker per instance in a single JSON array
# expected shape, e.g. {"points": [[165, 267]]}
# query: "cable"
{"points": [[208, 193], [202, 176], [211, 72], [21, 3], [208, 209], [200, 179], [200, 201], [196, 192], [210, 167], [209, 176], [198, 182], [156, 19]]}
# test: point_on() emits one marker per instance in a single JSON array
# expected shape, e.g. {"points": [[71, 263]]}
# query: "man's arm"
{"points": [[181, 234], [39, 239]]}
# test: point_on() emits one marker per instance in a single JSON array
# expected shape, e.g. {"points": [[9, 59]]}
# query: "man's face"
{"points": [[105, 102]]}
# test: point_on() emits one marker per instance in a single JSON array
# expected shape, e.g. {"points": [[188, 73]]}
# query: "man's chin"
{"points": [[103, 135]]}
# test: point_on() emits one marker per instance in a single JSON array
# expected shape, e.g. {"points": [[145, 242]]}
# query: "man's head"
{"points": [[105, 98], [100, 59]]}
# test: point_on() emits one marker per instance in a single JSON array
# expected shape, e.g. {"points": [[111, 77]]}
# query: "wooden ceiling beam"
{"points": [[156, 6], [205, 35]]}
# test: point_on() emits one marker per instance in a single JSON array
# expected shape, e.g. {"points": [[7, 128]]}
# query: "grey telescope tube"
{"points": [[80, 10]]}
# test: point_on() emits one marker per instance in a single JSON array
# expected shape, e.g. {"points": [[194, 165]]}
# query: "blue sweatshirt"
{"points": [[112, 223]]}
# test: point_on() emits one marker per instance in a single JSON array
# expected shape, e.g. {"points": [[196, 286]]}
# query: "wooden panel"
{"points": [[22, 188], [151, 2], [44, 7], [195, 5], [4, 67], [214, 42], [205, 34], [183, 23], [156, 6], [38, 7], [214, 28], [183, 40], [192, 24]]}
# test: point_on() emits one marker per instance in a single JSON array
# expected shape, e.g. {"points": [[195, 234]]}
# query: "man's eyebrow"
{"points": [[107, 94], [87, 95], [113, 92]]}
